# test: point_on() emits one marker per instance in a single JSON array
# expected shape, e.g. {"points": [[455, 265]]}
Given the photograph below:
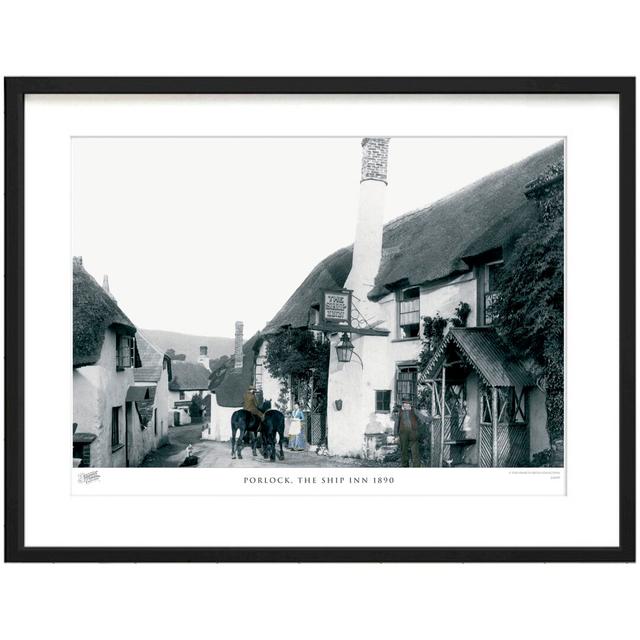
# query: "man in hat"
{"points": [[250, 402], [406, 429]]}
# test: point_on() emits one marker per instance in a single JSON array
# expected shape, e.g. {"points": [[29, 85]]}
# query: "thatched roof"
{"points": [[152, 358], [94, 311], [188, 376], [331, 273], [234, 382], [435, 242]]}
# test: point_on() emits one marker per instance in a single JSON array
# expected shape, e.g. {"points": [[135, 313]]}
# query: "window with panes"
{"points": [[407, 384], [125, 351], [409, 313], [383, 400], [491, 274]]}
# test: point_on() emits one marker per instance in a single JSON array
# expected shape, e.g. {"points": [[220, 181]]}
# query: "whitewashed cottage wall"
{"points": [[97, 389]]}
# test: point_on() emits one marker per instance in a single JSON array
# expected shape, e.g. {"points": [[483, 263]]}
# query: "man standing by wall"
{"points": [[406, 429]]}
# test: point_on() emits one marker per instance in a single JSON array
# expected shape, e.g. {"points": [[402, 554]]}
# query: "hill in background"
{"points": [[189, 344]]}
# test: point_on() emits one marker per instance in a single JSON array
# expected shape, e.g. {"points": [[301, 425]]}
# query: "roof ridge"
{"points": [[427, 207], [150, 343]]}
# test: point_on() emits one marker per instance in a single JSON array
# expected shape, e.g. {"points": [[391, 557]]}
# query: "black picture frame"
{"points": [[15, 91]]}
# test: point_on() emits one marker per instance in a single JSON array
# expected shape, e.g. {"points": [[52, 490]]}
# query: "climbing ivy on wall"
{"points": [[530, 304], [432, 335]]}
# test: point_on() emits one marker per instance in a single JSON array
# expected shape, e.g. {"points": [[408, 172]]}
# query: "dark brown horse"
{"points": [[247, 424], [272, 425]]}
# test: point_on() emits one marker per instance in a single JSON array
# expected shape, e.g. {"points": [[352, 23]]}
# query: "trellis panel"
{"points": [[503, 444], [316, 428], [436, 442], [486, 445], [518, 445]]}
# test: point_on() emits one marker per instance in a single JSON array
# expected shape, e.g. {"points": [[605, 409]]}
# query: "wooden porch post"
{"points": [[442, 412], [494, 426], [434, 390]]}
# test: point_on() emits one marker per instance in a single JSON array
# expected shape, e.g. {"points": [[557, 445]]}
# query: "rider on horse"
{"points": [[250, 403]]}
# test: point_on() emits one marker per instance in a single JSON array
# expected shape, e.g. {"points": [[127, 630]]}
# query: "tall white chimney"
{"points": [[203, 358], [367, 248], [239, 343]]}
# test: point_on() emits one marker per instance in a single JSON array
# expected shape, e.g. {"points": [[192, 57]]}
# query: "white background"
{"points": [[335, 38], [211, 194], [587, 516]]}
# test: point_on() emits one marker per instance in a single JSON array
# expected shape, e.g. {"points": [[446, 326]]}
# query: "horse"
{"points": [[272, 424], [247, 424]]}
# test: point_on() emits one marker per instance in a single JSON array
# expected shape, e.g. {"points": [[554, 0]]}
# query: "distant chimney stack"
{"points": [[203, 358], [239, 343], [105, 286]]}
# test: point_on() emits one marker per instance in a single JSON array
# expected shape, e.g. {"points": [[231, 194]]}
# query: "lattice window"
{"points": [[511, 406], [455, 399], [407, 384]]}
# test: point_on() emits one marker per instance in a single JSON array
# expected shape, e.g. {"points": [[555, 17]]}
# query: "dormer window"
{"points": [[487, 283], [409, 313], [125, 352]]}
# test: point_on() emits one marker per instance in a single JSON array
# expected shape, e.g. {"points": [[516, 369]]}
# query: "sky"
{"points": [[196, 233]]}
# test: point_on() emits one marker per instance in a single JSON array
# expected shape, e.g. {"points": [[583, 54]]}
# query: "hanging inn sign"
{"points": [[338, 313], [335, 308]]}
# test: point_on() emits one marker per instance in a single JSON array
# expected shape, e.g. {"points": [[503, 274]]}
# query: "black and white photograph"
{"points": [[327, 306], [320, 320], [347, 302]]}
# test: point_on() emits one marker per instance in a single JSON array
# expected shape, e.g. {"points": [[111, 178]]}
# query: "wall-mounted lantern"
{"points": [[344, 349]]}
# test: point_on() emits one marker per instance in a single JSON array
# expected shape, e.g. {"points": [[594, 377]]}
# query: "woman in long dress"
{"points": [[296, 432]]}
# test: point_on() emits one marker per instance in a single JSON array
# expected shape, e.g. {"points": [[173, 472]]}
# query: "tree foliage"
{"points": [[296, 355], [196, 405], [296, 352]]}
